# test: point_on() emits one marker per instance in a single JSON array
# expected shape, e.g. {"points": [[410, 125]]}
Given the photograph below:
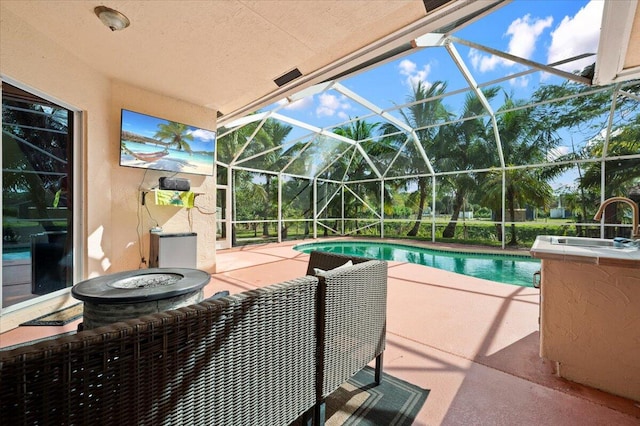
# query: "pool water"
{"points": [[16, 255], [503, 268]]}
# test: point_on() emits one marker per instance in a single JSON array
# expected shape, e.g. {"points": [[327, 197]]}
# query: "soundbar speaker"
{"points": [[176, 184]]}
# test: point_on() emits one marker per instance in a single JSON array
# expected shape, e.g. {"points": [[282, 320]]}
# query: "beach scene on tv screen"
{"points": [[155, 143]]}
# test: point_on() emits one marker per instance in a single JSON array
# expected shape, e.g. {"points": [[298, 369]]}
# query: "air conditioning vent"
{"points": [[432, 5], [290, 76]]}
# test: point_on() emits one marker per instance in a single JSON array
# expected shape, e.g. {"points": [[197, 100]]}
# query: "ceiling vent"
{"points": [[290, 76], [432, 5]]}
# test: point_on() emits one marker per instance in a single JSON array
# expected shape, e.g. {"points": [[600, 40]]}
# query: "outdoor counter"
{"points": [[544, 248], [590, 314]]}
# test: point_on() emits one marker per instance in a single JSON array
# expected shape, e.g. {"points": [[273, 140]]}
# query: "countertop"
{"points": [[543, 248]]}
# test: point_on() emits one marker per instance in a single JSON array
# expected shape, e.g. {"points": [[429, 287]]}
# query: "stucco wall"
{"points": [[590, 324], [125, 201], [109, 214]]}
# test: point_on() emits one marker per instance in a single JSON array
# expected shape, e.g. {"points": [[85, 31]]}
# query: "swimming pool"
{"points": [[503, 268], [16, 255]]}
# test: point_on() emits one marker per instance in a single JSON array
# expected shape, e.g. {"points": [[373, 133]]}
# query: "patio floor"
{"points": [[472, 342]]}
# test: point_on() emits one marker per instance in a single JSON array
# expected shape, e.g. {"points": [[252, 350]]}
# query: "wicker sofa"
{"points": [[261, 357]]}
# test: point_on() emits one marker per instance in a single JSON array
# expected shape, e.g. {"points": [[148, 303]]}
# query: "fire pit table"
{"points": [[131, 294]]}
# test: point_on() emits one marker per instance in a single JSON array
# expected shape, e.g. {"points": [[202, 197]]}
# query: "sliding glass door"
{"points": [[37, 201]]}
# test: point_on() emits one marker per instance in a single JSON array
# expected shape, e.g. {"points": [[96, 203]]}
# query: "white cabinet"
{"points": [[173, 250]]}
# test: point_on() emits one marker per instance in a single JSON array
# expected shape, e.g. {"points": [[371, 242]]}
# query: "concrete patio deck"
{"points": [[473, 343]]}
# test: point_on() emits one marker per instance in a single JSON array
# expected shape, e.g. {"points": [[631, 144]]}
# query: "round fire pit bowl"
{"points": [[132, 294]]}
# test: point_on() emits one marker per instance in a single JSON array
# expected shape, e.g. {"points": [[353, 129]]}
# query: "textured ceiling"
{"points": [[218, 54], [225, 55]]}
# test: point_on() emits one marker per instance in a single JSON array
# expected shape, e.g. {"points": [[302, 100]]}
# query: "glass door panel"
{"points": [[222, 241], [37, 153]]}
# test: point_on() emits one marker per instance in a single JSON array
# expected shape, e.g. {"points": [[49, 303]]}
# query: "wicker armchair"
{"points": [[327, 261], [352, 306]]}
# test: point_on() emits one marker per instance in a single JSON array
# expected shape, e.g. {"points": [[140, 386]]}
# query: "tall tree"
{"points": [[620, 175], [425, 110], [587, 114], [465, 145], [522, 187], [526, 139], [228, 146], [360, 132], [272, 134]]}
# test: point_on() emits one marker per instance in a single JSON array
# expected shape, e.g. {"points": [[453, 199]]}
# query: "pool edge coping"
{"points": [[425, 245]]}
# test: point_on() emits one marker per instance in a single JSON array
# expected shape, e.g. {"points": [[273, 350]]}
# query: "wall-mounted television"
{"points": [[155, 143]]}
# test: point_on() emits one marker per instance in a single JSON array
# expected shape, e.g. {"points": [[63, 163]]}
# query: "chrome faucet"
{"points": [[635, 230]]}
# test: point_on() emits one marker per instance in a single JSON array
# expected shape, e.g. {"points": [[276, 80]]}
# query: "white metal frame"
{"points": [[448, 42]]}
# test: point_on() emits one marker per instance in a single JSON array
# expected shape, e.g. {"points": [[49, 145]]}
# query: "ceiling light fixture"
{"points": [[113, 19]]}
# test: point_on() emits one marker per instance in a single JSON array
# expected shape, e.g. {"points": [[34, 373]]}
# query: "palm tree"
{"points": [[522, 187], [297, 195], [228, 146], [272, 134], [467, 144], [357, 131], [249, 196], [177, 134], [591, 114], [425, 110], [620, 175], [526, 138]]}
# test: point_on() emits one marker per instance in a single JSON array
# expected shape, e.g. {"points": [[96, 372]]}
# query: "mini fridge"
{"points": [[173, 250]]}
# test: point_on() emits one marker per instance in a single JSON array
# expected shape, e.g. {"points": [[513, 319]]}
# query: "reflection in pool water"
{"points": [[504, 268]]}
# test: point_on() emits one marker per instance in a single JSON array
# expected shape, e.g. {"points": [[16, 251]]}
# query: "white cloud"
{"points": [[414, 75], [484, 63], [407, 67], [523, 33], [300, 104], [576, 35], [331, 104], [475, 57], [204, 135]]}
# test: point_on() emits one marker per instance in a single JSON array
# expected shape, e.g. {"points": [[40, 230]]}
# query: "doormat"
{"points": [[360, 402], [61, 317]]}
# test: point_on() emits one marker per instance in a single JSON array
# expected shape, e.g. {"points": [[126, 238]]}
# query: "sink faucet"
{"points": [[635, 230]]}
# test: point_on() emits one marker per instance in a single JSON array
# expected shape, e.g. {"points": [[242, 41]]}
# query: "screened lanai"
{"points": [[482, 132]]}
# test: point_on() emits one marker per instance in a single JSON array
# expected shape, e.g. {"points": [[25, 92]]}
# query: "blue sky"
{"points": [[544, 31], [146, 125]]}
